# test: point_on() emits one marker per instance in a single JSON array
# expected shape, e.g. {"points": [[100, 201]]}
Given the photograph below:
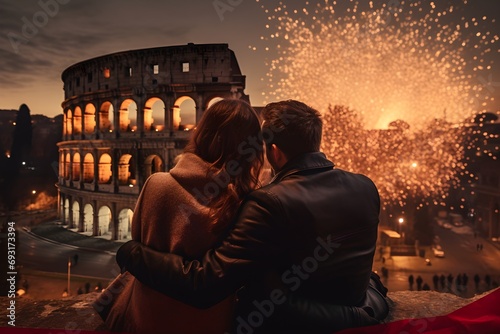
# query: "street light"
{"points": [[401, 221], [69, 274], [33, 193]]}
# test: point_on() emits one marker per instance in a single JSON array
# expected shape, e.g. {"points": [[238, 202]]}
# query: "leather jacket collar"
{"points": [[302, 162]]}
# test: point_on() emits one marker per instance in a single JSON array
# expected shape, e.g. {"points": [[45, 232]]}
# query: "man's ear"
{"points": [[279, 156]]}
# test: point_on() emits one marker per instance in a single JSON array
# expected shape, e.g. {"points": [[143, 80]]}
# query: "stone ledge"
{"points": [[68, 313], [424, 304], [77, 313]]}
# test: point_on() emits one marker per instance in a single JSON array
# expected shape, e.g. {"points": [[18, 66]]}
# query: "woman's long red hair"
{"points": [[228, 136]]}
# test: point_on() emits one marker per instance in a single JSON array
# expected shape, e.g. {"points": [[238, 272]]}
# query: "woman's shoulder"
{"points": [[158, 177], [157, 180]]}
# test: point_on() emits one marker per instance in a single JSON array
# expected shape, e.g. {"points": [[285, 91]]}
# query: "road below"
{"points": [[42, 255]]}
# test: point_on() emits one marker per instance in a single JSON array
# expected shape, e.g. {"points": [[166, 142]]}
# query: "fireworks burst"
{"points": [[416, 167], [399, 66], [388, 61]]}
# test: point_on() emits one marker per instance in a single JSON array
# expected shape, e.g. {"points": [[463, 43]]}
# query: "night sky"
{"points": [[85, 29], [32, 60]]}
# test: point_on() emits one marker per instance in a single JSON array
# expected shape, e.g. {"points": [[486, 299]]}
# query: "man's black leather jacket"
{"points": [[309, 235]]}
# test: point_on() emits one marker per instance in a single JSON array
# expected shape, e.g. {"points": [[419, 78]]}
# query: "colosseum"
{"points": [[127, 115]]}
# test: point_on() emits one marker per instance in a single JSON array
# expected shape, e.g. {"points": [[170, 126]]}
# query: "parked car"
{"points": [[438, 251], [440, 221], [457, 219], [447, 226]]}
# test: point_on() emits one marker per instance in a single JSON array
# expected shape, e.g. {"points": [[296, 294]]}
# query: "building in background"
{"points": [[484, 193], [127, 115]]}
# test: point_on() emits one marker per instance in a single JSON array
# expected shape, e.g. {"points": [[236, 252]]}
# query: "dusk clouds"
{"points": [[39, 39]]}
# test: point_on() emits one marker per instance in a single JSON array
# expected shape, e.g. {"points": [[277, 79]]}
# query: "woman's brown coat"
{"points": [[171, 215]]}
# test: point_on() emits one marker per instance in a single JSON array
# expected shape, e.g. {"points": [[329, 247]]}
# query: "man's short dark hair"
{"points": [[293, 126]]}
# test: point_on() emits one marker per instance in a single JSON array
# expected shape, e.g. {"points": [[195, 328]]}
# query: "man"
{"points": [[301, 246]]}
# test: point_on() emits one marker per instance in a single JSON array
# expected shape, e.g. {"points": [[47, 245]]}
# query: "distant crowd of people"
{"points": [[449, 283], [98, 288]]}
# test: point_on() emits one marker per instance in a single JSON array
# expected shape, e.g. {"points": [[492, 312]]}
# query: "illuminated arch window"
{"points": [[105, 172], [69, 122], [77, 121], [88, 218], [76, 167], [106, 113], [88, 168], [89, 118], [67, 166], [184, 114], [125, 224], [66, 211], [106, 72], [128, 116], [152, 164], [104, 218], [76, 214], [126, 170], [154, 115]]}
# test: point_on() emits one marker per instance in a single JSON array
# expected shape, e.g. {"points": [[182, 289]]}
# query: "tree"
{"points": [[22, 137], [411, 169], [19, 153]]}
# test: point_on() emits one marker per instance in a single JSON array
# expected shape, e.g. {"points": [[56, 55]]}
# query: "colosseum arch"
{"points": [[153, 164], [89, 118], [67, 166], [77, 121], [214, 100], [154, 115], [128, 116], [105, 227], [125, 224], [76, 167], [184, 113], [88, 219], [105, 171], [126, 170], [106, 116], [66, 211], [88, 168], [69, 122], [76, 214]]}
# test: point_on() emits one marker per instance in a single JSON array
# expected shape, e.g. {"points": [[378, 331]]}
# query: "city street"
{"points": [[461, 256], [461, 253], [38, 254]]}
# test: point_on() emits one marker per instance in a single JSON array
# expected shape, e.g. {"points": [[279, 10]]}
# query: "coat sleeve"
{"points": [[250, 246]]}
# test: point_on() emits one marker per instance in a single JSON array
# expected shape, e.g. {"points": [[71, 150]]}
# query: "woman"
{"points": [[187, 211]]}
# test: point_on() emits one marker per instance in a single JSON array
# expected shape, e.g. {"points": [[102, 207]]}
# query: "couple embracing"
{"points": [[216, 251]]}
